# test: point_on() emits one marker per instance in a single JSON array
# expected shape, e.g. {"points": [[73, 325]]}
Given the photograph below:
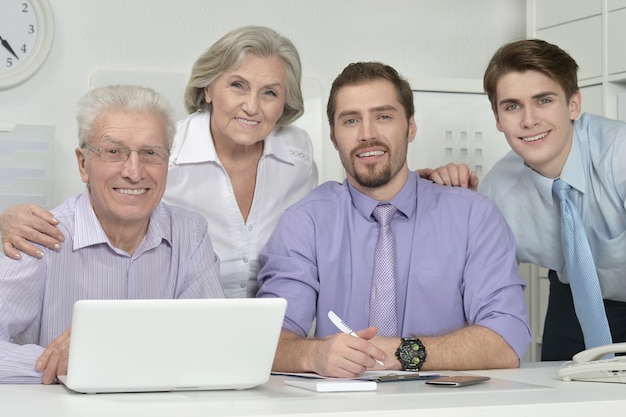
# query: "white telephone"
{"points": [[588, 365]]}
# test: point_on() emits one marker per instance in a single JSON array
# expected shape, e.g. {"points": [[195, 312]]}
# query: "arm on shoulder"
{"points": [[21, 225], [456, 175]]}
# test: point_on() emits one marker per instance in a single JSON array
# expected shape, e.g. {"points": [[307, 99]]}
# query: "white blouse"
{"points": [[198, 181]]}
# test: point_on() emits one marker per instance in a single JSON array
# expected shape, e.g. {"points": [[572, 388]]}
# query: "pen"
{"points": [[341, 325]]}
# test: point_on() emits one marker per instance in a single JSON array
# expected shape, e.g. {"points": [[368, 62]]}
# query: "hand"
{"points": [[452, 174], [53, 360], [345, 356], [22, 224]]}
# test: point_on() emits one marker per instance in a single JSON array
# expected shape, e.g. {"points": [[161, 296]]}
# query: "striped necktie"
{"points": [[383, 296], [581, 271]]}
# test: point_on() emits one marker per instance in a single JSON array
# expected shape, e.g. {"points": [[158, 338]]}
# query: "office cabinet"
{"points": [[594, 33], [592, 98], [585, 49], [616, 43], [554, 12], [615, 4]]}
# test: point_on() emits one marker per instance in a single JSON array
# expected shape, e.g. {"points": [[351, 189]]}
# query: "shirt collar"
{"points": [[540, 183], [405, 201], [196, 142], [275, 146], [88, 230], [573, 171]]}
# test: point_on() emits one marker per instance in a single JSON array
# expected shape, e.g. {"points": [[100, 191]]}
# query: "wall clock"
{"points": [[26, 34]]}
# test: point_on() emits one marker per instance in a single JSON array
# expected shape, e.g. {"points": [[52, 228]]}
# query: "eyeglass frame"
{"points": [[126, 150]]}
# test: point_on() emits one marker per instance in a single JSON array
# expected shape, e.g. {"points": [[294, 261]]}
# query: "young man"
{"points": [[532, 86], [453, 298], [121, 241]]}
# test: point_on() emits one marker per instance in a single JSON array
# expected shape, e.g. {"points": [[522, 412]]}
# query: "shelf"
{"points": [[589, 82], [448, 85], [619, 78]]}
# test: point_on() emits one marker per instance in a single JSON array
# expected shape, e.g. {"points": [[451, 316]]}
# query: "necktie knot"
{"points": [[561, 189], [383, 213]]}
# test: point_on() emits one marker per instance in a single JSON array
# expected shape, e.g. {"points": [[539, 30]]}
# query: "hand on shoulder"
{"points": [[456, 175]]}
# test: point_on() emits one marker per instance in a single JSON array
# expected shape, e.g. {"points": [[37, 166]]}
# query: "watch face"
{"points": [[411, 354], [25, 38]]}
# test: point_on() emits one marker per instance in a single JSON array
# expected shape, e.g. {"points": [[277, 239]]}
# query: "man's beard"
{"points": [[372, 177]]}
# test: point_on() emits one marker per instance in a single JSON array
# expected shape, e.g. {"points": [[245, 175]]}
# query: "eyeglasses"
{"points": [[154, 155]]}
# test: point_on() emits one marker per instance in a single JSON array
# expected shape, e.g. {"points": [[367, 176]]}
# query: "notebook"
{"points": [[172, 345]]}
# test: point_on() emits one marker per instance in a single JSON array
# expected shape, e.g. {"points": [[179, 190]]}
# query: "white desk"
{"points": [[532, 390]]}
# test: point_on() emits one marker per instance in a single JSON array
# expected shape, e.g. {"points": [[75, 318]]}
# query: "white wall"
{"points": [[421, 38]]}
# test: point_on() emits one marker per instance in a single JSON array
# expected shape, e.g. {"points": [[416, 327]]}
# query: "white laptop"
{"points": [[172, 345]]}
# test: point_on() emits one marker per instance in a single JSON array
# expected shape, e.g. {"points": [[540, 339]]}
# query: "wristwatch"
{"points": [[411, 354]]}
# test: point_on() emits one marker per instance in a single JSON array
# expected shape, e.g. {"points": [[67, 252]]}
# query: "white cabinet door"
{"points": [[616, 41], [554, 12], [616, 4], [592, 99], [582, 39]]}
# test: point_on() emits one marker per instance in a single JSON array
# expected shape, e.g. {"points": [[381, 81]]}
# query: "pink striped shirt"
{"points": [[174, 260]]}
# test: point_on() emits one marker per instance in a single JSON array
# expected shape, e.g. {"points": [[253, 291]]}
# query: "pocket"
{"points": [[610, 259]]}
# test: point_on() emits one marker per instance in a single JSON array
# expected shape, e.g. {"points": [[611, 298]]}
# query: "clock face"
{"points": [[26, 31]]}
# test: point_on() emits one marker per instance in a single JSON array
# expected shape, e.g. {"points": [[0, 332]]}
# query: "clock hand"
{"points": [[6, 44]]}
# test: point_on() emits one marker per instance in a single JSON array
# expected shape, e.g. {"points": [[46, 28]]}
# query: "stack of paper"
{"points": [[332, 385], [364, 382], [26, 165]]}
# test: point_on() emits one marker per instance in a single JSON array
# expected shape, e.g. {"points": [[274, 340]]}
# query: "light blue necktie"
{"points": [[581, 271], [383, 296]]}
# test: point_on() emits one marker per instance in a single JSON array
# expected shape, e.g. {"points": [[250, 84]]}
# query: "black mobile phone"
{"points": [[457, 381]]}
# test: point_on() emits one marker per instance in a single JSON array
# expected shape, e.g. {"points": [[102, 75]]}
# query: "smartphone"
{"points": [[458, 381]]}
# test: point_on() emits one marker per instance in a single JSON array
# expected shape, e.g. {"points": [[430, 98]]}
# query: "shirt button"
{"points": [[250, 228], [245, 260], [243, 285]]}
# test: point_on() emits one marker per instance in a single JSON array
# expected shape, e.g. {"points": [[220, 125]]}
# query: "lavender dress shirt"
{"points": [[455, 261], [174, 260]]}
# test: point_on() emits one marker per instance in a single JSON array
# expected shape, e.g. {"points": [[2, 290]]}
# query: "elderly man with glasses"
{"points": [[122, 242]]}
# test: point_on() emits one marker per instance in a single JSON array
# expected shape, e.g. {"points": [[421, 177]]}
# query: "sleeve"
{"points": [[618, 166], [493, 287], [289, 271], [202, 264], [17, 363], [21, 289]]}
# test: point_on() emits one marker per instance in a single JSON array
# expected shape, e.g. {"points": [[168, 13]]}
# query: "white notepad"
{"points": [[332, 385]]}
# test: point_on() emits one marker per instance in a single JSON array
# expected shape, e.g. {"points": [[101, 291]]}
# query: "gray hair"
{"points": [[125, 98], [229, 52]]}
